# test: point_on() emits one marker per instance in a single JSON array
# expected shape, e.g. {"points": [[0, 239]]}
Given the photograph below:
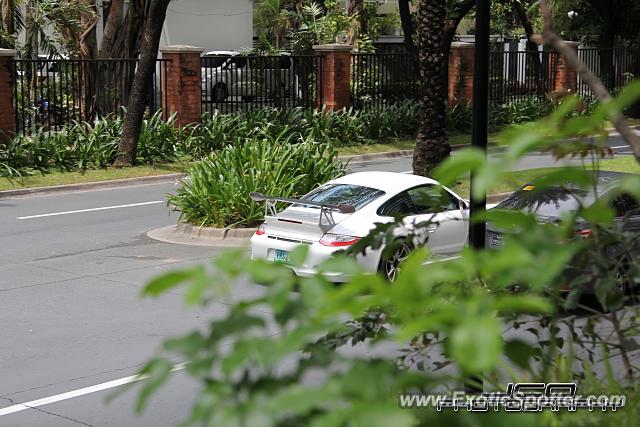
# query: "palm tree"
{"points": [[432, 146], [275, 17], [12, 23]]}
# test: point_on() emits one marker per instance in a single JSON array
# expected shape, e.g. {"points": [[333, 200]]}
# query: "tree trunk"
{"points": [[113, 80], [113, 24], [407, 26], [431, 143], [127, 149], [88, 43], [607, 68], [354, 9], [532, 48]]}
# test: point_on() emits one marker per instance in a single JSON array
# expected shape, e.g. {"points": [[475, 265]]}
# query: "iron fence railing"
{"points": [[616, 66], [515, 75], [382, 79], [51, 93], [239, 83]]}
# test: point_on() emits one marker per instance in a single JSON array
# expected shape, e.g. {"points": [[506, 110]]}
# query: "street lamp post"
{"points": [[480, 115], [479, 137]]}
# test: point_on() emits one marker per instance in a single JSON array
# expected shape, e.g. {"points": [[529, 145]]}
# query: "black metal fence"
{"points": [[515, 75], [51, 93], [383, 79], [616, 67], [239, 83]]}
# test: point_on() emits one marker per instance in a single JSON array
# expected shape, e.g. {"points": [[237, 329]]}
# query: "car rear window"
{"points": [[213, 61], [550, 201], [344, 194]]}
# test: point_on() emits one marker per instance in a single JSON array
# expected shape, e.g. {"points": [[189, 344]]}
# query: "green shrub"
{"points": [[83, 145], [216, 192], [459, 117]]}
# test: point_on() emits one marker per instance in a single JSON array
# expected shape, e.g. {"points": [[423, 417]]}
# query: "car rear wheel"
{"points": [[390, 264]]}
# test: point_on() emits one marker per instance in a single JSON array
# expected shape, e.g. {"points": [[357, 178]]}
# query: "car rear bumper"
{"points": [[265, 246]]}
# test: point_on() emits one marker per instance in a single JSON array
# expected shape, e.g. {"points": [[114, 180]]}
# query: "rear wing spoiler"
{"points": [[326, 210]]}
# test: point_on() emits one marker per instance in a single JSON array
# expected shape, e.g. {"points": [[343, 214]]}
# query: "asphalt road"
{"points": [[70, 277]]}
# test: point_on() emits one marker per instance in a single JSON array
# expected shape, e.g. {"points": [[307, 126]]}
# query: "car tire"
{"points": [[389, 265], [219, 92]]}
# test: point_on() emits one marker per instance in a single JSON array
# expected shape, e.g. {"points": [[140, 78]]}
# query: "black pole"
{"points": [[479, 137], [480, 115]]}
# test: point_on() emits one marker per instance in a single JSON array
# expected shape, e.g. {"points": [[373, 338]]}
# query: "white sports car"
{"points": [[342, 211]]}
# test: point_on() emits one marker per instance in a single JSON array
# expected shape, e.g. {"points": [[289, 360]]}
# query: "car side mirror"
{"points": [[464, 204]]}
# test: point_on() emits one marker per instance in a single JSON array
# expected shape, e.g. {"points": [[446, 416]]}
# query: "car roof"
{"points": [[604, 180], [221, 53], [553, 200], [385, 181]]}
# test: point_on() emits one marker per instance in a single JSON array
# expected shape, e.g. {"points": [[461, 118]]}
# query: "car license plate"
{"points": [[281, 256]]}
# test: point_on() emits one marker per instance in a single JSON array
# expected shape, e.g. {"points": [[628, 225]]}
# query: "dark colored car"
{"points": [[550, 203]]}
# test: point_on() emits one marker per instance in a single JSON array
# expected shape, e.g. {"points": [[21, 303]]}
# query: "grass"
{"points": [[394, 145], [510, 181], [404, 144], [91, 175], [513, 180]]}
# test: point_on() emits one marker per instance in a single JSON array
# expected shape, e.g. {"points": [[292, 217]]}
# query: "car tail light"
{"points": [[336, 240], [262, 229], [586, 232]]}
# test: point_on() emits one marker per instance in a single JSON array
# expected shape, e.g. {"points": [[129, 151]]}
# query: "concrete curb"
{"points": [[84, 186], [187, 234]]}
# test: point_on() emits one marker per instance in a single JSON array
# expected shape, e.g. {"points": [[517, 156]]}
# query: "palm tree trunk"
{"points": [[431, 143], [127, 149], [7, 16]]}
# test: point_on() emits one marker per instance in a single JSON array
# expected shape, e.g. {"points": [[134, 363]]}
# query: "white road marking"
{"points": [[92, 209], [76, 393]]}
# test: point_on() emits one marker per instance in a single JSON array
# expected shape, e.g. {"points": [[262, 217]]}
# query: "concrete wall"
{"points": [[210, 24]]}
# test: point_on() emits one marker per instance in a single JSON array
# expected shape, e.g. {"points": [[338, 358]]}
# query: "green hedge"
{"points": [[85, 145]]}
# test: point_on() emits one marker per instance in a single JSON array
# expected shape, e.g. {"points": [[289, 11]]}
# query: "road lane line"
{"points": [[92, 209], [79, 392]]}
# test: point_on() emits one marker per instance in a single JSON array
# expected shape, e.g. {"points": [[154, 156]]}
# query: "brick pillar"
{"points": [[334, 86], [460, 85], [563, 78], [183, 84], [7, 113]]}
